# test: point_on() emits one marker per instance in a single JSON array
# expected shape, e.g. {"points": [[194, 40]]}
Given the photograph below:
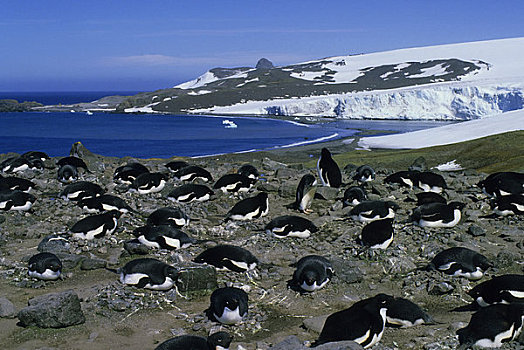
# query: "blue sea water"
{"points": [[62, 97], [164, 136]]}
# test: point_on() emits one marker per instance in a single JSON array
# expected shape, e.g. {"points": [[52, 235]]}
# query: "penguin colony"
{"points": [[374, 220]]}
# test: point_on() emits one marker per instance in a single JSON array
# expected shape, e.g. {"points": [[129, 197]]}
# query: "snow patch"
{"points": [[449, 166]]}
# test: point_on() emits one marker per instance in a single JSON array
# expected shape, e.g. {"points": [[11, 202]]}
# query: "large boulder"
{"points": [[54, 310]]}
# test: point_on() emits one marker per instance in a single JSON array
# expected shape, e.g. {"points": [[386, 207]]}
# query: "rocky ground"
{"points": [[118, 316]]}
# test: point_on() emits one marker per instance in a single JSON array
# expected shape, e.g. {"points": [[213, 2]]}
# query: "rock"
{"points": [[55, 310], [315, 324], [7, 309], [329, 193], [93, 264], [456, 326], [439, 288], [340, 345], [401, 264], [419, 164], [196, 277], [285, 173], [346, 272], [54, 244], [506, 259], [134, 246], [2, 219], [287, 190], [264, 63], [70, 261], [476, 231], [290, 343], [267, 187], [272, 165]]}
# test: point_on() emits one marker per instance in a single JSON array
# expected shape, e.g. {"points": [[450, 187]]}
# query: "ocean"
{"points": [[163, 136]]}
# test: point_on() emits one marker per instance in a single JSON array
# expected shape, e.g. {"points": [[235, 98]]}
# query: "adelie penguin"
{"points": [[74, 161], [126, 174], [188, 193], [305, 194], [67, 173], [364, 173], [148, 273], [508, 205], [16, 200], [369, 211], [430, 182], [20, 164], [353, 196], [96, 226], [363, 322], [406, 178], [80, 190], [176, 165], [250, 171], [377, 234], [45, 266], [216, 341], [105, 202], [234, 183], [163, 237], [175, 217], [290, 226], [149, 183], [229, 305], [191, 173], [438, 214], [328, 170], [492, 326], [503, 184], [249, 208], [312, 273], [404, 313], [35, 155], [13, 183], [461, 262], [429, 197], [504, 289], [228, 257]]}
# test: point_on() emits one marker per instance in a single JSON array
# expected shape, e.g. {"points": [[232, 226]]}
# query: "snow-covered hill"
{"points": [[446, 82]]}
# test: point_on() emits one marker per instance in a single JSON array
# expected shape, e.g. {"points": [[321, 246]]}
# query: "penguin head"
{"points": [[262, 196], [457, 205], [231, 303], [249, 171], [354, 195], [115, 213], [481, 261], [55, 265], [325, 153], [219, 340], [309, 277], [171, 272], [392, 205]]}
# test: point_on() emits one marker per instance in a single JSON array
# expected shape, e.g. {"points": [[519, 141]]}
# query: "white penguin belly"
{"points": [[229, 316], [47, 275]]}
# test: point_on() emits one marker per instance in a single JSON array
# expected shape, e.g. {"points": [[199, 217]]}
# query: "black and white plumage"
{"points": [[127, 173], [16, 200], [249, 208], [354, 195], [19, 164], [305, 193], [404, 178], [512, 204], [290, 226], [80, 190], [503, 184], [96, 226], [13, 183], [363, 322], [312, 273], [368, 211], [234, 183], [163, 237], [364, 173], [430, 182], [492, 326], [73, 161], [377, 234], [438, 214], [188, 193], [504, 289], [328, 170], [216, 341], [45, 266], [67, 173], [429, 197], [249, 170], [35, 155], [459, 261], [191, 173], [149, 183], [176, 165], [105, 202], [228, 305], [228, 257], [405, 313], [175, 217], [148, 273]]}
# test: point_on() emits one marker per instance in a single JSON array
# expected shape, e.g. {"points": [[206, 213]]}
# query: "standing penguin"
{"points": [[305, 194], [216, 341], [45, 266], [249, 208], [328, 170], [312, 272], [363, 322], [228, 305], [459, 261]]}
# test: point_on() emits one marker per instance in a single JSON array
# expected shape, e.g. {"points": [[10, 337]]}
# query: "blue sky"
{"points": [[146, 45]]}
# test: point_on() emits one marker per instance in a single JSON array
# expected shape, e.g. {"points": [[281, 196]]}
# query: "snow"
{"points": [[200, 92], [449, 166], [207, 78], [436, 70], [469, 130]]}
